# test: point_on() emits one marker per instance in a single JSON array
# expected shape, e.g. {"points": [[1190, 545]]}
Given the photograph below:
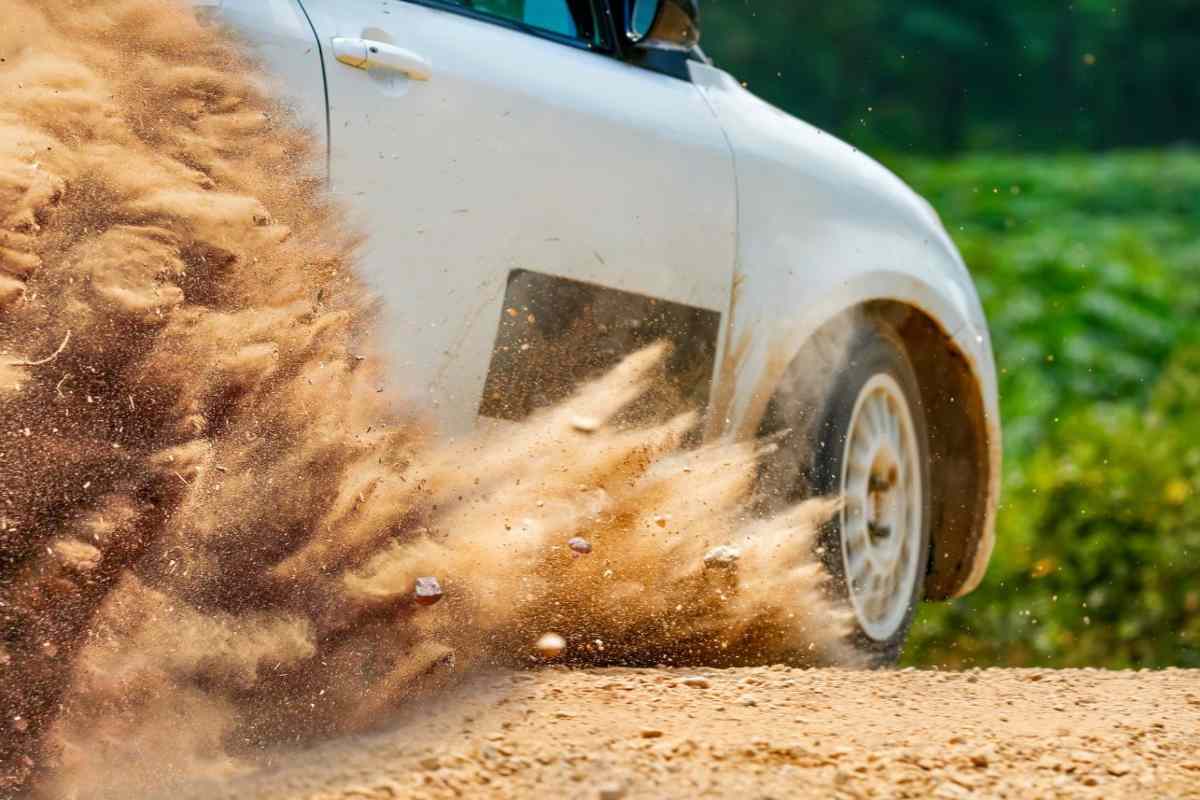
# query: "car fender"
{"points": [[822, 230]]}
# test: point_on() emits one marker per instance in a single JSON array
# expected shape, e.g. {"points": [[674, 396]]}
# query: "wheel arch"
{"points": [[961, 468]]}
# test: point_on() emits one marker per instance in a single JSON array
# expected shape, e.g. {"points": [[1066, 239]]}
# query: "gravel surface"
{"points": [[769, 733]]}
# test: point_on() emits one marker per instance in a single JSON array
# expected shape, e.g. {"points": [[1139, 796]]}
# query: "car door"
{"points": [[511, 173]]}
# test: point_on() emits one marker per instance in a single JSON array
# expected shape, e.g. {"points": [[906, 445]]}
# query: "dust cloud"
{"points": [[214, 516]]}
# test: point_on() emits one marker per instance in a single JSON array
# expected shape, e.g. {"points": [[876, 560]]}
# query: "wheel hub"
{"points": [[881, 493]]}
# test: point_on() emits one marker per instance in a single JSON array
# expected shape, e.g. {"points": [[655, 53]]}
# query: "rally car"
{"points": [[549, 185]]}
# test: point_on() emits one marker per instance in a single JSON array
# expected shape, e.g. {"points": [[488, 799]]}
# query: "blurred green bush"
{"points": [[1089, 268]]}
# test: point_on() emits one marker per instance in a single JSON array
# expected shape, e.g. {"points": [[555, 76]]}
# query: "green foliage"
{"points": [[938, 76], [1097, 565], [1090, 272], [1088, 267]]}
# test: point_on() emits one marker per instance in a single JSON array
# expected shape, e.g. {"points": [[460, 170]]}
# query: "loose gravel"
{"points": [[769, 733]]}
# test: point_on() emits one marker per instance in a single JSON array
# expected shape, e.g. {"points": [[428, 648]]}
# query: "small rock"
{"points": [[722, 557], [1119, 769], [651, 733], [949, 790], [612, 791], [696, 682], [964, 780], [981, 759], [661, 520], [427, 591], [431, 762], [580, 545], [551, 645], [748, 700]]}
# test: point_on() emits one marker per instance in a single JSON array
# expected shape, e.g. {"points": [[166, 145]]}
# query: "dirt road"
{"points": [[770, 733]]}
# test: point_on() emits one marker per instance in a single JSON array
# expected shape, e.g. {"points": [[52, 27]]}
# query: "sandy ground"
{"points": [[769, 733]]}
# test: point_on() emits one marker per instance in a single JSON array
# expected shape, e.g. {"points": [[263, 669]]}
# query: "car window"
{"points": [[572, 18]]}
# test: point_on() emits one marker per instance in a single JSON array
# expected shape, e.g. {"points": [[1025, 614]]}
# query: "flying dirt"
{"points": [[220, 530], [225, 538]]}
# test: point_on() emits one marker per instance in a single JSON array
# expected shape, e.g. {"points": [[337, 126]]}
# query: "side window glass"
{"points": [[571, 18]]}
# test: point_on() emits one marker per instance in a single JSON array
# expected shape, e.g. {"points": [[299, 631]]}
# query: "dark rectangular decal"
{"points": [[555, 333]]}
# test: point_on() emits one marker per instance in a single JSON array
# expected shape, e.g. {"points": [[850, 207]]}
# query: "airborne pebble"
{"points": [[722, 557], [427, 591], [585, 424], [551, 645]]}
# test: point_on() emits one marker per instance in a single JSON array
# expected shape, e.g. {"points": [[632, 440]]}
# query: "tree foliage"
{"points": [[939, 76]]}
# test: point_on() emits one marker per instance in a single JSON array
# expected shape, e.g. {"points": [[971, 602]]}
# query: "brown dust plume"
{"points": [[200, 553]]}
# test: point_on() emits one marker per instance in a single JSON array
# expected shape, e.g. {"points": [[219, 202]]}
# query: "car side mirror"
{"points": [[669, 23]]}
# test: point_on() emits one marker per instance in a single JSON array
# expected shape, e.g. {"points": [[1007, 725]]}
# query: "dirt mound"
{"points": [[213, 517]]}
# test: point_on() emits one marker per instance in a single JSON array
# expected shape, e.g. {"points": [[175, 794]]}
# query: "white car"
{"points": [[550, 184]]}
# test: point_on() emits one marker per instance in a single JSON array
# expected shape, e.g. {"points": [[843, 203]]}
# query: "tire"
{"points": [[857, 377]]}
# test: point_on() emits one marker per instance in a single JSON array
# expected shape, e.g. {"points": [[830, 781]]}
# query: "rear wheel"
{"points": [[853, 406]]}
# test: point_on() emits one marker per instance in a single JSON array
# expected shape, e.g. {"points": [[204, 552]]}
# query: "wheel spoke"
{"points": [[879, 417], [858, 566], [856, 486]]}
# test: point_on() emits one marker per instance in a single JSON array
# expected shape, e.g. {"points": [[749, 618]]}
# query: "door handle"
{"points": [[371, 54]]}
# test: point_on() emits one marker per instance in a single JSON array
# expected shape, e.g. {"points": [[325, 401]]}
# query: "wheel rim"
{"points": [[881, 517]]}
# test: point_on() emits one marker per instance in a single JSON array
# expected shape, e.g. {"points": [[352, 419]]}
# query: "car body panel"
{"points": [[500, 163], [823, 228], [693, 192]]}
